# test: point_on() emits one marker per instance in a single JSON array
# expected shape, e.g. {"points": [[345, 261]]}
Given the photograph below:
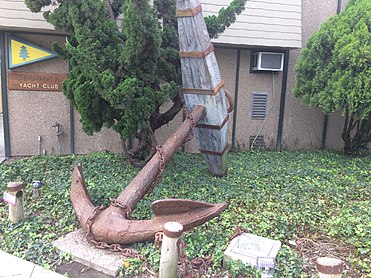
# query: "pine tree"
{"points": [[23, 53], [122, 73], [333, 71]]}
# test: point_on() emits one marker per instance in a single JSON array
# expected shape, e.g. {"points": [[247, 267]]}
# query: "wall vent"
{"points": [[259, 106], [259, 143]]}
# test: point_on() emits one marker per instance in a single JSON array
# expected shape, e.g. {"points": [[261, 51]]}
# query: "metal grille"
{"points": [[259, 106], [259, 143]]}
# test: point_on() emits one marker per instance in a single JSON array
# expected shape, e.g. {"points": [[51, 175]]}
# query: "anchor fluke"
{"points": [[111, 225]]}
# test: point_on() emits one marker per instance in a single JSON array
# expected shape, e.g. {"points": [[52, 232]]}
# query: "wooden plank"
{"points": [[251, 6], [227, 2], [35, 81], [225, 39]]}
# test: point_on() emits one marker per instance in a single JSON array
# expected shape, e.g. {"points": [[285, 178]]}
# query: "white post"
{"points": [[169, 249], [329, 267]]}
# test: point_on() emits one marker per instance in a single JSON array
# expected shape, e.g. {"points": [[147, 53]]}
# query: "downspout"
{"points": [[4, 89], [72, 129], [237, 83], [72, 123], [283, 100], [325, 120]]}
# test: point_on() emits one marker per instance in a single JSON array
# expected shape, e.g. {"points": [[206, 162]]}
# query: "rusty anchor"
{"points": [[204, 93], [113, 224]]}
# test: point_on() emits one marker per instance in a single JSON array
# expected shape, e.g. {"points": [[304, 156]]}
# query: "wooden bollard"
{"points": [[16, 210], [169, 249], [329, 267]]}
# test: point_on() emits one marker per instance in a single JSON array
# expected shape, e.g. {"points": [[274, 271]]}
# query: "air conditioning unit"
{"points": [[267, 61]]}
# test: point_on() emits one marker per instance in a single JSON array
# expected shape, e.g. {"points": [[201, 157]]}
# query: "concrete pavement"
{"points": [[14, 267]]}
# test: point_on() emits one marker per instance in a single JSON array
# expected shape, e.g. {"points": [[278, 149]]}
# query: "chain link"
{"points": [[158, 239], [183, 258], [201, 264], [193, 125], [161, 168], [115, 247], [238, 231], [89, 222], [125, 208]]}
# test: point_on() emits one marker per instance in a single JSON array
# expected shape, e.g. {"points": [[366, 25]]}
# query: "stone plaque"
{"points": [[35, 81], [248, 247]]}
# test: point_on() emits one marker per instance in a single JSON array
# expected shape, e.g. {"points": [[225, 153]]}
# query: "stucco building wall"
{"points": [[33, 113]]}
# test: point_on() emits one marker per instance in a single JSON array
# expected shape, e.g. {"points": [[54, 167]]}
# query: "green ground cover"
{"points": [[321, 198]]}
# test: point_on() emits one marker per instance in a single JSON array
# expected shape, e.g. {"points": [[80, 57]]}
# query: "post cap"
{"points": [[15, 186], [173, 229], [37, 184], [327, 265]]}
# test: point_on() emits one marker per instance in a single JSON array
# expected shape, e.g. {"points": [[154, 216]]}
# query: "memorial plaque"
{"points": [[35, 81], [248, 248]]}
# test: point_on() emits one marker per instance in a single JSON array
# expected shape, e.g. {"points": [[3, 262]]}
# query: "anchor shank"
{"points": [[145, 178]]}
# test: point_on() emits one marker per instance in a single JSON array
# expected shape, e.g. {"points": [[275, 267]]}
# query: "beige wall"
{"points": [[33, 113], [106, 140]]}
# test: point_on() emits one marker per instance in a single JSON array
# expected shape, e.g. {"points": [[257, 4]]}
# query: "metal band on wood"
{"points": [[214, 152], [189, 12], [208, 92], [215, 127], [196, 54]]}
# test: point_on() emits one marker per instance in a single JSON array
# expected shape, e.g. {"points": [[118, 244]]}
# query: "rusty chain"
{"points": [[193, 125], [201, 264], [183, 258], [158, 239], [89, 222], [115, 247], [125, 208], [161, 168], [198, 264], [238, 231]]}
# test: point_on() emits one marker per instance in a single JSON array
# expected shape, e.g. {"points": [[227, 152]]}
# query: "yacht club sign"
{"points": [[35, 81]]}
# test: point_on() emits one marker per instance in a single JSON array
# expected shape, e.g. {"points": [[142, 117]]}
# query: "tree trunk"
{"points": [[362, 136]]}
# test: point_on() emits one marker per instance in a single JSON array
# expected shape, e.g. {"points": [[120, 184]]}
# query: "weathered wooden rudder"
{"points": [[202, 84]]}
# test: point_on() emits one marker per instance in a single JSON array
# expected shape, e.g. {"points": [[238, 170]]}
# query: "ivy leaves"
{"points": [[283, 196]]}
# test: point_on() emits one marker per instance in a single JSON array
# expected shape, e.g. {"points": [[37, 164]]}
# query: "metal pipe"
{"points": [[72, 122], [324, 132], [236, 98], [4, 90], [283, 100], [58, 134], [39, 152], [338, 10], [72, 129]]}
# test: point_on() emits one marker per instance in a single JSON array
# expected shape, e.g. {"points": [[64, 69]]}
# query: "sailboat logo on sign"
{"points": [[23, 53]]}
